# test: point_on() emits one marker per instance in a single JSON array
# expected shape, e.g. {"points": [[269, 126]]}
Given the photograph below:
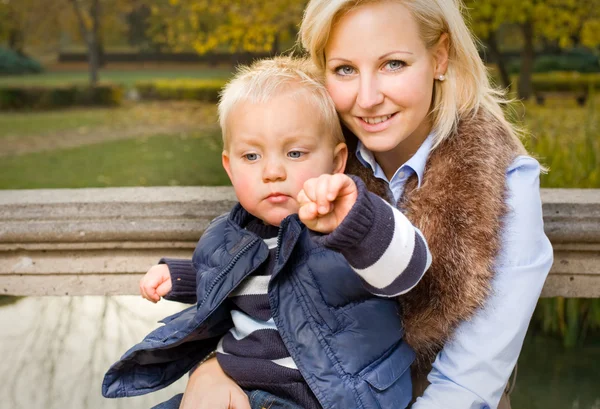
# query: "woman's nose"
{"points": [[369, 93]]}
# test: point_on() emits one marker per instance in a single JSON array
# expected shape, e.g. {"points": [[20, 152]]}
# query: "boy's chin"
{"points": [[274, 219]]}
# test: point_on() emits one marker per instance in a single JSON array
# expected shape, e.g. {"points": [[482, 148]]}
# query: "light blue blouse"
{"points": [[473, 368]]}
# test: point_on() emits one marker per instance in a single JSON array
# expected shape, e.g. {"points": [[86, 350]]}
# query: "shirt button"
{"points": [[401, 174]]}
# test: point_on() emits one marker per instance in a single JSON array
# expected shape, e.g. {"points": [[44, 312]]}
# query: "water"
{"points": [[55, 351]]}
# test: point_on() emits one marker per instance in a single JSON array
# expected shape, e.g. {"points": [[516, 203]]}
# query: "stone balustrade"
{"points": [[100, 241]]}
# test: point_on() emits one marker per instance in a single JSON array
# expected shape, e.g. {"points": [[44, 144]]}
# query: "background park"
{"points": [[114, 93]]}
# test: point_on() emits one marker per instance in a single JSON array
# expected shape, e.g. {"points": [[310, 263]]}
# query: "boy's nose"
{"points": [[274, 170]]}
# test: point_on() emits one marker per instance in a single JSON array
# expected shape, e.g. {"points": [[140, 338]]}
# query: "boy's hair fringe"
{"points": [[265, 79]]}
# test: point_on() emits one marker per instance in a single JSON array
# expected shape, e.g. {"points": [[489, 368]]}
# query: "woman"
{"points": [[430, 135]]}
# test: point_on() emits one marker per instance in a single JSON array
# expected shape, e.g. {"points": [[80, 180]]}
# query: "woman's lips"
{"points": [[382, 122]]}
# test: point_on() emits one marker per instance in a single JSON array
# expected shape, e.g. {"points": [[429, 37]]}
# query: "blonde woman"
{"points": [[426, 131], [429, 132]]}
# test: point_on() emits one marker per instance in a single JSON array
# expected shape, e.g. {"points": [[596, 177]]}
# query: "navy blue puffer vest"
{"points": [[346, 342]]}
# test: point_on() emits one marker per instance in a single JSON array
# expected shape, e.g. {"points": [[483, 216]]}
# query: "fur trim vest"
{"points": [[459, 208]]}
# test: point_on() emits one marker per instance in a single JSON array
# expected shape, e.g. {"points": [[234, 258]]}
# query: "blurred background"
{"points": [[107, 93]]}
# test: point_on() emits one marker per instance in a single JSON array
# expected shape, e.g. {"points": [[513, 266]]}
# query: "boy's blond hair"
{"points": [[467, 86], [265, 79]]}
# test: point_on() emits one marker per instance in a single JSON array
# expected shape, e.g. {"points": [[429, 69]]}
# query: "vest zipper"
{"points": [[279, 235], [227, 269]]}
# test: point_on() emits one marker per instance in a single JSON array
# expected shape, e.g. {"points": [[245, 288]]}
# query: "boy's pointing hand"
{"points": [[325, 201]]}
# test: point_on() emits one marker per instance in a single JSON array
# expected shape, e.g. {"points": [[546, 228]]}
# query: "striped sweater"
{"points": [[375, 238]]}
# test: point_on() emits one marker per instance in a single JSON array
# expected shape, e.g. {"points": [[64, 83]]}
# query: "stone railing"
{"points": [[101, 241]]}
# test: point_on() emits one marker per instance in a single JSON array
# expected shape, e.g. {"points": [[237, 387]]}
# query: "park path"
{"points": [[12, 146], [148, 120]]}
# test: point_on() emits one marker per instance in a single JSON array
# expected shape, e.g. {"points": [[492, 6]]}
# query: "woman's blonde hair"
{"points": [[265, 79], [467, 86]]}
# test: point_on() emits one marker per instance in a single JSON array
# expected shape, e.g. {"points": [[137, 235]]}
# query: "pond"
{"points": [[55, 351]]}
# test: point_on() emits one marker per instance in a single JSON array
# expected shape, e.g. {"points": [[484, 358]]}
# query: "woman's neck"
{"points": [[390, 161]]}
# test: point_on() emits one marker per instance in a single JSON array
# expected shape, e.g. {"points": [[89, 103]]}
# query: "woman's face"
{"points": [[380, 76]]}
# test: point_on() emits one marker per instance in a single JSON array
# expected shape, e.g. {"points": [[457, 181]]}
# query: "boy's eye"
{"points": [[394, 65], [251, 156], [295, 154], [344, 70]]}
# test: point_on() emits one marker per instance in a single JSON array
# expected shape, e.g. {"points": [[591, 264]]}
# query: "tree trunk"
{"points": [[16, 42], [275, 45], [90, 36], [499, 58], [527, 57], [95, 42]]}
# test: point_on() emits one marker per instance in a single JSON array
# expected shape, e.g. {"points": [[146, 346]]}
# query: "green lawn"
{"points": [[39, 123], [181, 159], [565, 137], [125, 77]]}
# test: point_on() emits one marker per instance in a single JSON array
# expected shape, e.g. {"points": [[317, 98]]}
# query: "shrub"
{"points": [[565, 82], [48, 97], [579, 60], [573, 83], [200, 90], [12, 63]]}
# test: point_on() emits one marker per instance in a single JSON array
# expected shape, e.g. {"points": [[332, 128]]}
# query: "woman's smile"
{"points": [[376, 123]]}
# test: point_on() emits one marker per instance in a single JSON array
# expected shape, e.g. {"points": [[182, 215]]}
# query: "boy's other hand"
{"points": [[156, 283], [325, 201]]}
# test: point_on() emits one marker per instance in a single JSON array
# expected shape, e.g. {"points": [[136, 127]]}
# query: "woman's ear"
{"points": [[340, 157], [440, 55]]}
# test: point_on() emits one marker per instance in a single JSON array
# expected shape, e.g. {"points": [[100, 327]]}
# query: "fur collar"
{"points": [[459, 208]]}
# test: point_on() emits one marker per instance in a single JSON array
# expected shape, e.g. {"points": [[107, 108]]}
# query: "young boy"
{"points": [[297, 317]]}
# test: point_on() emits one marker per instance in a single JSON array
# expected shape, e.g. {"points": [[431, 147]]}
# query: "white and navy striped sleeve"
{"points": [[381, 245]]}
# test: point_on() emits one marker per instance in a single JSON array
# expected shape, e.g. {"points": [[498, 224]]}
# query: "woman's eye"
{"points": [[394, 65], [344, 70], [295, 154], [251, 156]]}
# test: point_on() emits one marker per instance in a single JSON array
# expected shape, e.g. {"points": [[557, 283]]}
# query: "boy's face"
{"points": [[273, 148]]}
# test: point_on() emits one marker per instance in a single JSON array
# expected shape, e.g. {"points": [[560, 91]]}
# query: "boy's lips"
{"points": [[277, 198]]}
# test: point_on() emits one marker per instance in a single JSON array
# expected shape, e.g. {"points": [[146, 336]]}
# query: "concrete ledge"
{"points": [[100, 241]]}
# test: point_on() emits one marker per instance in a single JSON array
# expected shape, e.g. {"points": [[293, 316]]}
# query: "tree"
{"points": [[564, 22], [25, 22], [236, 25], [89, 26], [91, 17]]}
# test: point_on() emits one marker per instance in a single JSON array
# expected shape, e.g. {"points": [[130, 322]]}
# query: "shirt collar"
{"points": [[415, 164]]}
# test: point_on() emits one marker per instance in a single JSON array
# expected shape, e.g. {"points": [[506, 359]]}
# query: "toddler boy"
{"points": [[299, 316]]}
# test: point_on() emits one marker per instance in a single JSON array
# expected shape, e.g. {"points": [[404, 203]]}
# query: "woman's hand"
{"points": [[156, 283], [210, 388], [325, 201]]}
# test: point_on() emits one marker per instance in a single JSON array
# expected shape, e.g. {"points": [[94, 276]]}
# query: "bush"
{"points": [[46, 97], [12, 63], [579, 60], [573, 82], [199, 90]]}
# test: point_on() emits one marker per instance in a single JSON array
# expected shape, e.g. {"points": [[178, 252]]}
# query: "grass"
{"points": [[179, 159], [85, 120], [19, 123], [117, 76], [565, 138]]}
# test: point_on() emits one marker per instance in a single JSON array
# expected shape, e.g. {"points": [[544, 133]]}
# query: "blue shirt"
{"points": [[473, 368]]}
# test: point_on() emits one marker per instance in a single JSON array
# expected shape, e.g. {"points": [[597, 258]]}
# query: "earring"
{"points": [[441, 77]]}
